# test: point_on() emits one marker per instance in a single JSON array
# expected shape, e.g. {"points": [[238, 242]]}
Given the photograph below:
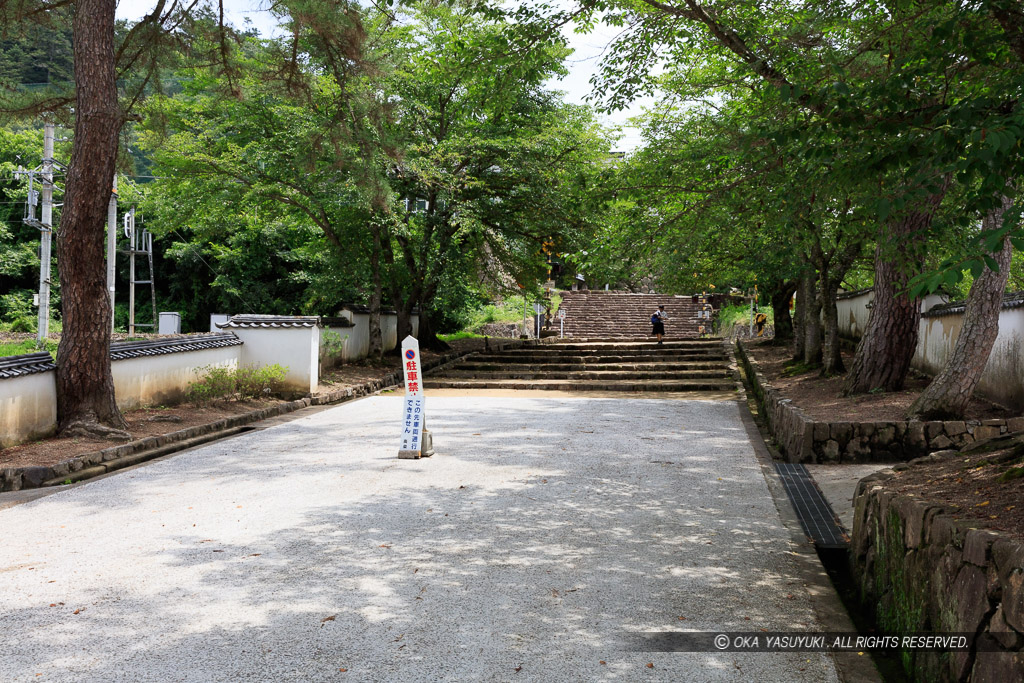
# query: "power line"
{"points": [[252, 309]]}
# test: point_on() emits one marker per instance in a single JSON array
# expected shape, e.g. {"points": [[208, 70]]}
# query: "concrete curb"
{"points": [[828, 607], [97, 463]]}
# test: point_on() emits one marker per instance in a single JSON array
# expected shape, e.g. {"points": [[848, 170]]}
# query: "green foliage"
{"points": [[333, 342], [509, 310], [739, 314], [245, 383]]}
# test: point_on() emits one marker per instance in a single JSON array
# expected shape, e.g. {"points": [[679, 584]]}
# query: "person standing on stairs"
{"points": [[658, 323]]}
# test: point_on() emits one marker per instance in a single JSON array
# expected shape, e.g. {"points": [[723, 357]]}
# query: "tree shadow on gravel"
{"points": [[502, 551]]}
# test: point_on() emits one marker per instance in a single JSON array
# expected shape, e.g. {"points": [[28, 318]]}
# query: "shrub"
{"points": [[222, 384], [259, 382]]}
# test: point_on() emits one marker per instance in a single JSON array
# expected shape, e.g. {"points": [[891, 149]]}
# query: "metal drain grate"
{"points": [[816, 516]]}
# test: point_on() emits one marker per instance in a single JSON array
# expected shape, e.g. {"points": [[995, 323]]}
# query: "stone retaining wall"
{"points": [[803, 439], [920, 570]]}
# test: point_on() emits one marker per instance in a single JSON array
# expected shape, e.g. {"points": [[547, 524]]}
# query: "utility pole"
{"points": [[46, 235], [129, 231], [112, 248]]}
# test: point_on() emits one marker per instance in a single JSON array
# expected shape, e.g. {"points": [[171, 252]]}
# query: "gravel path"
{"points": [[543, 530]]}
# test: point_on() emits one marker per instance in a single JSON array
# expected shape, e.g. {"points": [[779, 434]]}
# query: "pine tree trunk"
{"points": [[890, 338], [812, 319], [85, 387], [781, 297], [949, 394]]}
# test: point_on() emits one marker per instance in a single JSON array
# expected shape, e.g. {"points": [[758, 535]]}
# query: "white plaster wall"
{"points": [[157, 380], [295, 348], [28, 407], [1003, 378], [389, 330], [358, 344], [853, 314]]}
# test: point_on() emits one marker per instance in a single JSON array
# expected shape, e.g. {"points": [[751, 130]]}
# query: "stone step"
{"points": [[673, 345], [518, 373], [537, 359], [587, 367], [555, 351], [583, 385]]}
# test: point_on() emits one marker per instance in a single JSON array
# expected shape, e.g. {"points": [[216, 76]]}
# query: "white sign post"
{"points": [[561, 323], [416, 440]]}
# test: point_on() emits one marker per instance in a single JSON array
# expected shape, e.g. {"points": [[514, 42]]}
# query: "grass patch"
{"points": [[459, 335], [799, 367], [28, 346], [1011, 474]]}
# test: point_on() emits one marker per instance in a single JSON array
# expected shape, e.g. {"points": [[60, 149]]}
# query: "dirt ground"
{"points": [[141, 423], [822, 399], [984, 487], [161, 420]]}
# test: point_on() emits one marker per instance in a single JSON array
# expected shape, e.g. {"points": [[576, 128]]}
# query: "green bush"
{"points": [[223, 384]]}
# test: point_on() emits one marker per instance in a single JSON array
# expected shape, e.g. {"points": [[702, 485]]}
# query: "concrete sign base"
{"points": [[426, 452]]}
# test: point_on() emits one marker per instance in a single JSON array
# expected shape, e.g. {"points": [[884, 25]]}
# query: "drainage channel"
{"points": [[822, 526], [815, 514]]}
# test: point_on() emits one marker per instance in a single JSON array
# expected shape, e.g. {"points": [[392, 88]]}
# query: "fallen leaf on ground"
{"points": [[650, 665], [326, 619]]}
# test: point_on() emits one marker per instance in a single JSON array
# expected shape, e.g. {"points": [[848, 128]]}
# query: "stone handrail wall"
{"points": [[921, 570], [803, 439]]}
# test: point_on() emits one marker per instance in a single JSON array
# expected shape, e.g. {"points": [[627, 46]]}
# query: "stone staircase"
{"points": [[690, 365], [596, 314]]}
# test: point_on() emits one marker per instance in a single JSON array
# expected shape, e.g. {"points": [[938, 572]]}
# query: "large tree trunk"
{"points": [[890, 338], [812, 318], [376, 295], [799, 338], [832, 269], [85, 387], [831, 356], [404, 322], [781, 297], [428, 335], [950, 392]]}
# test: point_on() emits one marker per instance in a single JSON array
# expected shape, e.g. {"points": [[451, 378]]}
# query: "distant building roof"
{"points": [[270, 321]]}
